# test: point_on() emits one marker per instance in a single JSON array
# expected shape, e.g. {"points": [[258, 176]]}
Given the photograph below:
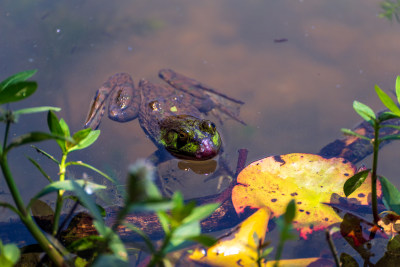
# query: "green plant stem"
{"points": [[374, 173], [59, 202], [6, 133], [332, 247], [54, 255]]}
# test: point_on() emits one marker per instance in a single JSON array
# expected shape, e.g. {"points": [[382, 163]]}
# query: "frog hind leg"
{"points": [[222, 105]]}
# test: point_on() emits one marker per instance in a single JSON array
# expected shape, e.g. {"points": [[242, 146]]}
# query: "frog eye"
{"points": [[208, 126], [182, 136]]}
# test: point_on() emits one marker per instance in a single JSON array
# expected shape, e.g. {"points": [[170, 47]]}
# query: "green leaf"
{"points": [[365, 112], [290, 212], [19, 77], [398, 89], [355, 182], [165, 221], [387, 101], [68, 186], [350, 132], [266, 252], [35, 110], [80, 163], [40, 169], [390, 137], [17, 91], [11, 207], [151, 205], [41, 151], [201, 212], [9, 255], [391, 194], [84, 138], [204, 240], [143, 235], [384, 116], [182, 235], [33, 137], [55, 128]]}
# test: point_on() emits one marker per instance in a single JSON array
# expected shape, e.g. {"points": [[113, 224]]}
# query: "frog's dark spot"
{"points": [[346, 174], [274, 200], [299, 202], [279, 159], [301, 210], [361, 195], [307, 212], [293, 194]]}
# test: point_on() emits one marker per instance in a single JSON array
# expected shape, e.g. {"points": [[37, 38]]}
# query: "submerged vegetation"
{"points": [[303, 191]]}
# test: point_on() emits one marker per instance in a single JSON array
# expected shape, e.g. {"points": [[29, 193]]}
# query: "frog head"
{"points": [[187, 137]]}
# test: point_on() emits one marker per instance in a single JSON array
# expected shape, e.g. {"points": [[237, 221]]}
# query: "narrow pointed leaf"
{"points": [[290, 212], [35, 110], [32, 138], [201, 212], [355, 182], [55, 128], [350, 132], [398, 88], [68, 186], [41, 151], [80, 163], [384, 116], [365, 112], [40, 169], [390, 137], [387, 101]]}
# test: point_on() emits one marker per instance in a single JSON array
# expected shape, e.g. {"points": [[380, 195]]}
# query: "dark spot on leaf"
{"points": [[299, 202], [346, 174], [361, 195], [307, 212], [274, 200], [301, 210], [257, 164], [344, 161], [293, 194], [279, 159], [322, 186], [326, 219], [283, 194], [239, 262]]}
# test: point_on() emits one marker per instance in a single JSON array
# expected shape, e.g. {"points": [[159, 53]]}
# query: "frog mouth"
{"points": [[207, 150]]}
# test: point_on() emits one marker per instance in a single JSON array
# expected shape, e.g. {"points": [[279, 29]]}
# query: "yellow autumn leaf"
{"points": [[309, 179], [239, 247]]}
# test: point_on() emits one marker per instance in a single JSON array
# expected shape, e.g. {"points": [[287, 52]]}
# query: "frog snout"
{"points": [[207, 150]]}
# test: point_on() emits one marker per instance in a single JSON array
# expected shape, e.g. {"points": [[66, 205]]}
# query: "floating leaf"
{"points": [[239, 246], [309, 179]]}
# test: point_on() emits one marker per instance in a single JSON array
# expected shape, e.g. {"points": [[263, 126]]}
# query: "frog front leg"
{"points": [[208, 99], [123, 104]]}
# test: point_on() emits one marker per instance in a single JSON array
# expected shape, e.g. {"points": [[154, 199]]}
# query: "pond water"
{"points": [[297, 65]]}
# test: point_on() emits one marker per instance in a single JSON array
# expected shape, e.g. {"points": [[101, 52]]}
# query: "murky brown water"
{"points": [[298, 93]]}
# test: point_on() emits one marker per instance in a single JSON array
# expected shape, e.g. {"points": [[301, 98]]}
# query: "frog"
{"points": [[172, 116]]}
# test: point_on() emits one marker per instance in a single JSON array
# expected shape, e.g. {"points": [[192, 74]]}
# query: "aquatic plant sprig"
{"points": [[378, 122]]}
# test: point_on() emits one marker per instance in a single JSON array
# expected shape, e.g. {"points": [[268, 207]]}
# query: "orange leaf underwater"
{"points": [[309, 179]]}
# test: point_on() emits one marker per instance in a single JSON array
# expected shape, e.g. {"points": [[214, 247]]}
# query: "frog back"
{"points": [[159, 102]]}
